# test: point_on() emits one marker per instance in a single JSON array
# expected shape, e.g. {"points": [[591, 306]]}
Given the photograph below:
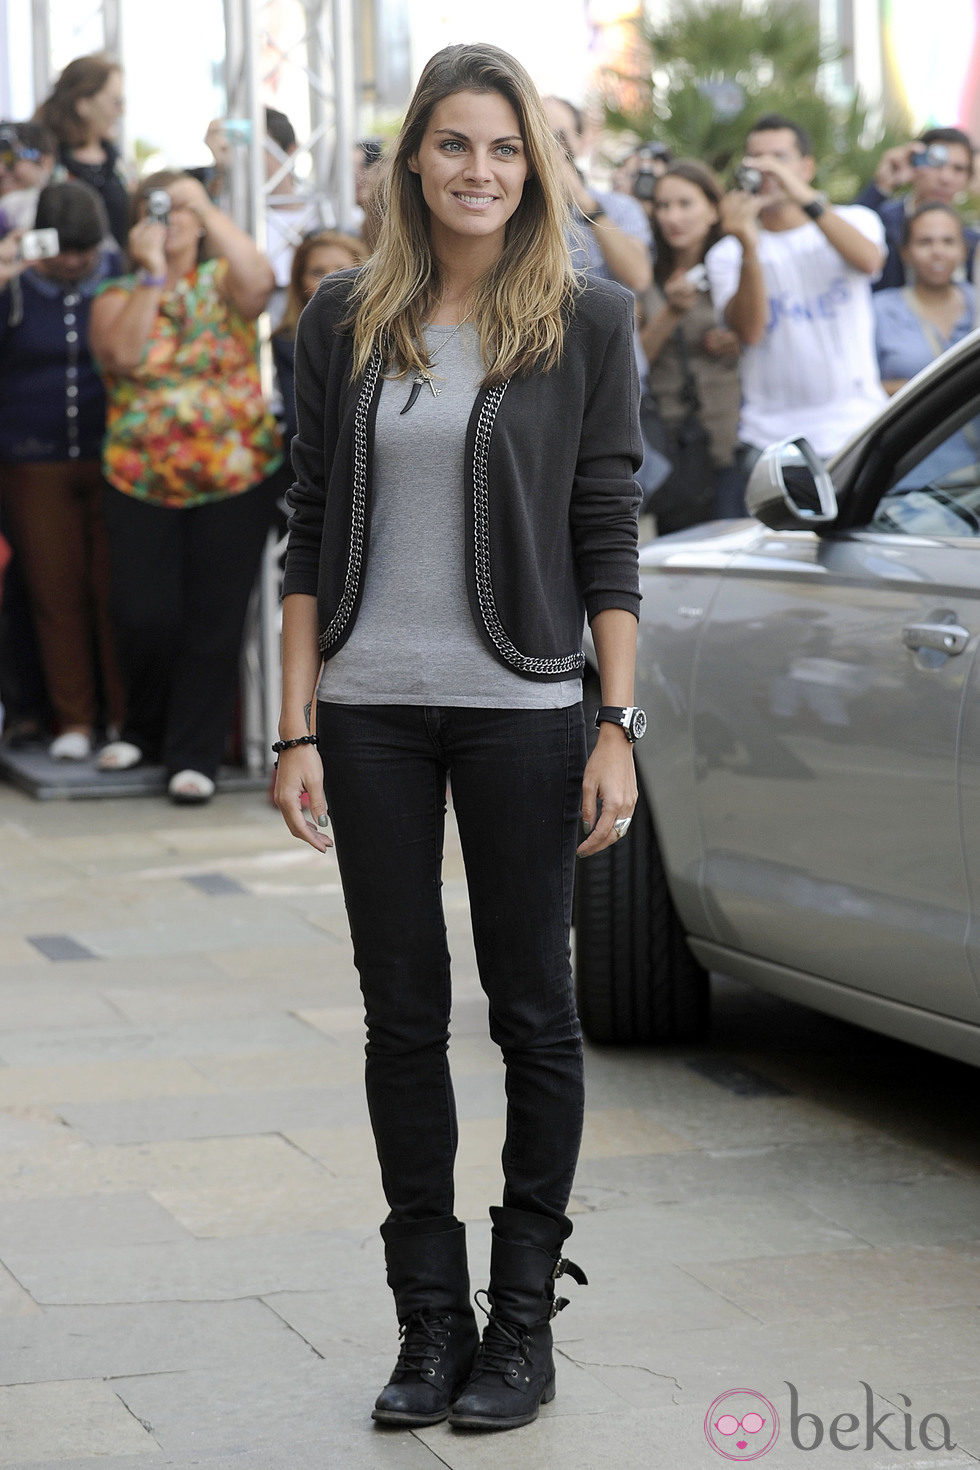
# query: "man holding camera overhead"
{"points": [[614, 239], [939, 166], [792, 278]]}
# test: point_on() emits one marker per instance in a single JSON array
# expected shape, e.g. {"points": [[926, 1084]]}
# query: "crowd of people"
{"points": [[140, 468]]}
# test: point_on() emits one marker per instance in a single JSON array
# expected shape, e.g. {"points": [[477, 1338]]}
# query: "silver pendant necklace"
{"points": [[424, 375]]}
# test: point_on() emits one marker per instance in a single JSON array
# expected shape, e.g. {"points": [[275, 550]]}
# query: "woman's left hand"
{"points": [[610, 778], [720, 342], [11, 263]]}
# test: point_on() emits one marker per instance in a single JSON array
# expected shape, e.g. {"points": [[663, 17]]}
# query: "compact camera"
{"points": [[9, 148], [932, 157], [748, 179], [646, 176], [158, 205], [12, 150], [39, 245], [238, 129]]}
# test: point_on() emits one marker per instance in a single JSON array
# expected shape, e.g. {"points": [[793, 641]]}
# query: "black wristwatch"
{"points": [[632, 721], [816, 207]]}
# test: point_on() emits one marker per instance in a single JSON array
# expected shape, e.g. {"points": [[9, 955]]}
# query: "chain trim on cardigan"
{"points": [[355, 554], [570, 663]]}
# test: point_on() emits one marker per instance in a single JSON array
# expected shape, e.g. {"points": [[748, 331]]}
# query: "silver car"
{"points": [[809, 817]]}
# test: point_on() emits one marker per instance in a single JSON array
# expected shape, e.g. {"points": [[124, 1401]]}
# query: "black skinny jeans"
{"points": [[516, 779]]}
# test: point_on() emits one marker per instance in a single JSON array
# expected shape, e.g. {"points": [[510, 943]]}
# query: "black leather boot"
{"points": [[427, 1272], [515, 1368]]}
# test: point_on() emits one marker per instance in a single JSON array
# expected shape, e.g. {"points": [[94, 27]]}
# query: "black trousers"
{"points": [[516, 778], [180, 584]]}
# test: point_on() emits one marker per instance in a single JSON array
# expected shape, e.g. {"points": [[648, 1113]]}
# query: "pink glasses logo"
{"points": [[741, 1425]]}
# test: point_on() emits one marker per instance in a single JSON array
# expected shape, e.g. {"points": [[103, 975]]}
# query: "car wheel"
{"points": [[636, 980]]}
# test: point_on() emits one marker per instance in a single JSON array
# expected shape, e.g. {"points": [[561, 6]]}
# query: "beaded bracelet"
{"points": [[290, 744]]}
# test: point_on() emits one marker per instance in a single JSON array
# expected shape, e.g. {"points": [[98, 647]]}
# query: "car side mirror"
{"points": [[790, 490]]}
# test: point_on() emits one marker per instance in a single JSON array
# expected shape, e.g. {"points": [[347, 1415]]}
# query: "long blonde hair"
{"points": [[521, 301]]}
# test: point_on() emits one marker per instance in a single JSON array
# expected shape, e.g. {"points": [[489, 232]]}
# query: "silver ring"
{"points": [[622, 826]]}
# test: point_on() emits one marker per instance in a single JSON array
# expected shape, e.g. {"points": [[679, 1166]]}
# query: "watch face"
{"points": [[638, 724]]}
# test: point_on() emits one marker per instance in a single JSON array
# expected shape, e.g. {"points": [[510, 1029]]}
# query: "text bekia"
{"points": [[894, 1429]]}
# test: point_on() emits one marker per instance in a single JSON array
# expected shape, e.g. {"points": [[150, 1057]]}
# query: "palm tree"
{"points": [[713, 66]]}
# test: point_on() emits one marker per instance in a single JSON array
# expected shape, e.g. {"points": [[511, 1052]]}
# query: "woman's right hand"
{"points": [[146, 245], [739, 216], [219, 143], [301, 770], [11, 263]]}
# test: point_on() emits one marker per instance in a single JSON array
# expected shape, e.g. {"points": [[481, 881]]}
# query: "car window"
{"points": [[934, 489]]}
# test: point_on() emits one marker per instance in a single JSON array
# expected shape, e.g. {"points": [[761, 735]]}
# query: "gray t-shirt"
{"points": [[414, 640]]}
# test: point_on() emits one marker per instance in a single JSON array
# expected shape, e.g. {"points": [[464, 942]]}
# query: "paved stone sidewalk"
{"points": [[191, 1270]]}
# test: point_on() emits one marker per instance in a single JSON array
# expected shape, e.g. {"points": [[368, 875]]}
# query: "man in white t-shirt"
{"points": [[793, 281]]}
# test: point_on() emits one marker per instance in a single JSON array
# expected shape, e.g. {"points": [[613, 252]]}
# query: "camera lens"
{"points": [[158, 205], [748, 179], [644, 185]]}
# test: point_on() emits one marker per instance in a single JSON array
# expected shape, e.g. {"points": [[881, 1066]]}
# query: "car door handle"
{"points": [[949, 638]]}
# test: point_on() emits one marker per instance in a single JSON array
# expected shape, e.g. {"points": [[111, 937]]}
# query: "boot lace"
{"points": [[505, 1346], [422, 1340]]}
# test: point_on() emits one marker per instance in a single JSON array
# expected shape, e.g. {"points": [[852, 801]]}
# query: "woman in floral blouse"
{"points": [[189, 449]]}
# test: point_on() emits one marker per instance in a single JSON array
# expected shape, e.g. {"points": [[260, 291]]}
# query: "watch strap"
{"points": [[630, 719]]}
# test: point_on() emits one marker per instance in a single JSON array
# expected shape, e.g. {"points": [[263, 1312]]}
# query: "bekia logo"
{"points": [[743, 1425]]}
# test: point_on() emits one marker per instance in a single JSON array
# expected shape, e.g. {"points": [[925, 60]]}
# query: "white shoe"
{"points": [[190, 788], [72, 746], [118, 755]]}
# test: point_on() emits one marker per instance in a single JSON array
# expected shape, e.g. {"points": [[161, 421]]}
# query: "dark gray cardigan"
{"points": [[551, 503]]}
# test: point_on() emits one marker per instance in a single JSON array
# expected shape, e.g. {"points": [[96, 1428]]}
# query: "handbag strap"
{"points": [[689, 388]]}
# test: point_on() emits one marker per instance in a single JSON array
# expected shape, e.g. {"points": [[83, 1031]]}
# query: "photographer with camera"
{"points": [[52, 418], [188, 452], [934, 169], [795, 285], [612, 239], [691, 397], [638, 173], [26, 163]]}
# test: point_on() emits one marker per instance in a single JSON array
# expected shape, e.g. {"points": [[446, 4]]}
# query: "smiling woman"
{"points": [[444, 550], [472, 168]]}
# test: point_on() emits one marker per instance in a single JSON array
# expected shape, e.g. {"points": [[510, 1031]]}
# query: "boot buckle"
{"points": [[563, 1264]]}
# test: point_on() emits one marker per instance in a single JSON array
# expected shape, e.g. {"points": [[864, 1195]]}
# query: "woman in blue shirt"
{"points": [[52, 418], [916, 323]]}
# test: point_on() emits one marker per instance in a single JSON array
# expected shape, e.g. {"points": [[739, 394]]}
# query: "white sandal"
{"points": [[74, 745], [190, 788], [118, 755]]}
